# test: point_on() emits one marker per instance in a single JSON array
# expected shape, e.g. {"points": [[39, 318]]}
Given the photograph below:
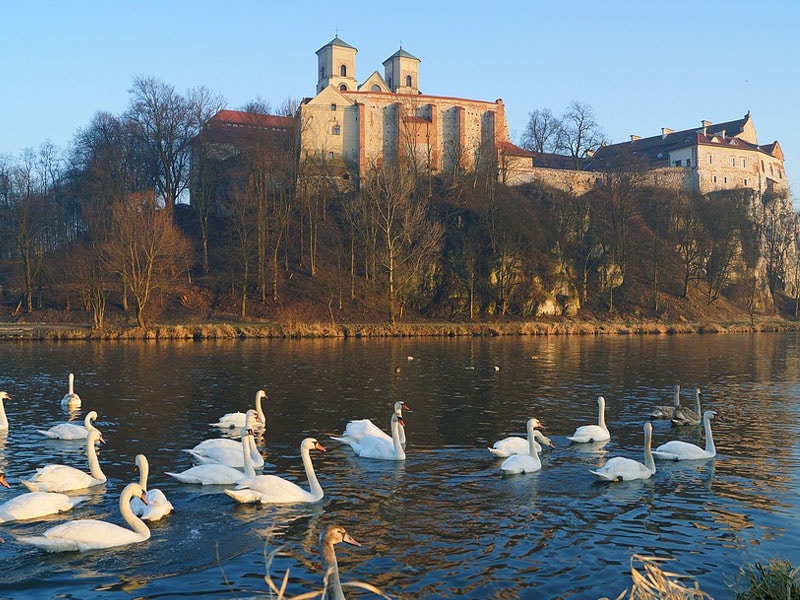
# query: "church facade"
{"points": [[352, 127]]}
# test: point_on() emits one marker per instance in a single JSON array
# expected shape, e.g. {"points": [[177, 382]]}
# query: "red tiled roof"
{"points": [[248, 119]]}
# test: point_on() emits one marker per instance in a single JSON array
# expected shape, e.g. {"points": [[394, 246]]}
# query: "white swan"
{"points": [[156, 505], [378, 446], [524, 463], [237, 420], [355, 430], [271, 489], [330, 536], [217, 474], [687, 416], [679, 450], [71, 399], [34, 505], [70, 431], [91, 534], [666, 412], [63, 478], [519, 445], [3, 417], [226, 451], [593, 433], [620, 468]]}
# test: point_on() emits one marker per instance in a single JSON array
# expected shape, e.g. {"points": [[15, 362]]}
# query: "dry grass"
{"points": [[651, 582]]}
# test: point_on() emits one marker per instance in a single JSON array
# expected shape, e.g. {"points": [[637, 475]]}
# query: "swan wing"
{"points": [[65, 431], [521, 463], [510, 445], [376, 447], [37, 504], [620, 468], [60, 478], [84, 534], [589, 433], [680, 450], [270, 489], [156, 508], [209, 474], [356, 430]]}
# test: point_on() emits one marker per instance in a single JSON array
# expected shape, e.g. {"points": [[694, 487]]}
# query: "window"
{"points": [[330, 155], [733, 162], [709, 159], [688, 162], [336, 129], [762, 165], [744, 163], [714, 179], [677, 163], [724, 180], [333, 107], [771, 170], [343, 71], [376, 88], [745, 180], [408, 80], [343, 88]]}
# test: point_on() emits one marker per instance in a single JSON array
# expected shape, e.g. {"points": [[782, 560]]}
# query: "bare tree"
{"points": [[580, 132], [544, 132], [145, 249], [409, 240]]}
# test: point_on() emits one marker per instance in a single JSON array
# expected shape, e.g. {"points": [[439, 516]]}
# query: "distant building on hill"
{"points": [[348, 128]]}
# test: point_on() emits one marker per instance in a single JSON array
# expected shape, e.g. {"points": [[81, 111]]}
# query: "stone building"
{"points": [[351, 127]]}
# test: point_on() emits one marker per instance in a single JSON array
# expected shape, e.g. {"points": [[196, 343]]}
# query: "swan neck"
{"points": [[3, 417], [131, 519], [697, 403], [313, 483], [709, 438], [676, 396], [532, 442], [144, 473], [601, 415], [399, 453], [649, 462], [94, 464], [331, 569], [248, 446], [71, 384], [260, 409]]}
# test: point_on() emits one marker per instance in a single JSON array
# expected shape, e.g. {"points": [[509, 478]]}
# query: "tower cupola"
{"points": [[402, 72], [336, 62]]}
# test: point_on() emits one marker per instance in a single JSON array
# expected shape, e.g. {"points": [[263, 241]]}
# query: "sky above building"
{"points": [[640, 65]]}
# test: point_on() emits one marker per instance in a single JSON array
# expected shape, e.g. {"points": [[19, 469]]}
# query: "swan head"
{"points": [[401, 406], [335, 534], [312, 444], [251, 417], [3, 481], [534, 423], [95, 437], [4, 396], [601, 401], [709, 414], [261, 395]]}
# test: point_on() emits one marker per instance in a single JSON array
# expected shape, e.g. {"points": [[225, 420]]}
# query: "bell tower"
{"points": [[336, 62], [402, 72]]}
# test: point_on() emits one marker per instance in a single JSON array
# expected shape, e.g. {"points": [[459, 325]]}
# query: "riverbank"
{"points": [[236, 330]]}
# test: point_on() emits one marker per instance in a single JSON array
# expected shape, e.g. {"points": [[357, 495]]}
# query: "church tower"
{"points": [[337, 66], [402, 72]]}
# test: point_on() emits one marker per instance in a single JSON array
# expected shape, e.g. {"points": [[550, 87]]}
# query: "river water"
{"points": [[445, 523]]}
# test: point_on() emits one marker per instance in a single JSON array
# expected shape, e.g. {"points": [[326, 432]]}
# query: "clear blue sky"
{"points": [[641, 65]]}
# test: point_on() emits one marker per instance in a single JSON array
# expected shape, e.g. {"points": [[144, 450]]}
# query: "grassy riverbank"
{"points": [[238, 330]]}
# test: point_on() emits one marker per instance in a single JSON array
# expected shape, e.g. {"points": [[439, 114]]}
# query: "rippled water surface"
{"points": [[445, 523]]}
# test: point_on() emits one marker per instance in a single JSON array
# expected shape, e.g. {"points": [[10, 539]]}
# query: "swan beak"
{"points": [[348, 539], [405, 407], [143, 497], [320, 447], [3, 480], [401, 421]]}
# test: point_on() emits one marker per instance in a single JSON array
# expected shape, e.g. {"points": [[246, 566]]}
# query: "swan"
{"points": [[687, 416], [226, 451], [70, 431], [593, 433], [3, 417], [237, 420], [71, 399], [91, 534], [519, 445], [62, 478], [34, 505], [666, 412], [271, 489], [356, 430], [217, 474], [528, 462], [157, 505], [620, 468], [678, 450], [330, 536], [375, 446]]}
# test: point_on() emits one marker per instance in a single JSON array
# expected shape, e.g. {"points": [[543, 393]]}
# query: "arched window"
{"points": [[376, 88], [336, 129], [408, 80], [343, 70], [343, 88]]}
